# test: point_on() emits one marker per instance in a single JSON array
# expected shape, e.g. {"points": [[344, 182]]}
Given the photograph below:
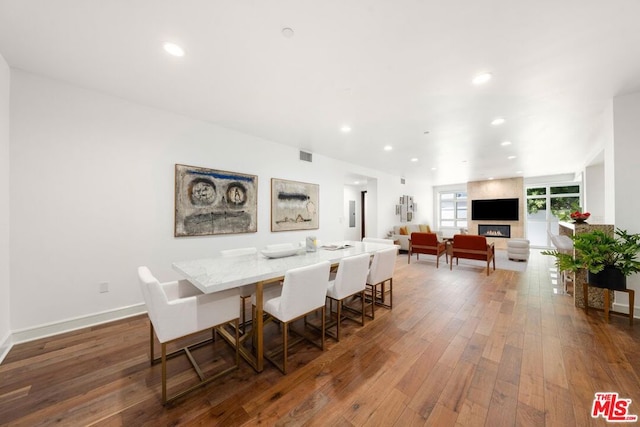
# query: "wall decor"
{"points": [[209, 201], [294, 205], [406, 208]]}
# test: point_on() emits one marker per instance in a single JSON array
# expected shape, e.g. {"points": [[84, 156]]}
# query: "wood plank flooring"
{"points": [[458, 349]]}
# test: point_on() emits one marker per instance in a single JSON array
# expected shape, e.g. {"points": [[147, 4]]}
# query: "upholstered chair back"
{"points": [[382, 266], [425, 239], [303, 290], [470, 242], [351, 276], [174, 316]]}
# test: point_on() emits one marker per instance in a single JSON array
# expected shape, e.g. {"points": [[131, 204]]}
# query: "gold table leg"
{"points": [[256, 358], [258, 322]]}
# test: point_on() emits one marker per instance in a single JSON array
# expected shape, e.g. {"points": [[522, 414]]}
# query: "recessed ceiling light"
{"points": [[481, 79], [511, 157], [490, 178], [173, 49], [505, 143], [388, 148], [356, 182], [345, 129], [518, 172], [434, 169], [287, 32], [415, 159], [498, 121]]}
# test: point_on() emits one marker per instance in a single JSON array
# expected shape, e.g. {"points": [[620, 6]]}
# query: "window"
{"points": [[453, 209], [546, 205], [565, 200]]}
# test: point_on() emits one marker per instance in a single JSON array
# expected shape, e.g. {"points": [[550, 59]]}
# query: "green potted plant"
{"points": [[608, 259]]}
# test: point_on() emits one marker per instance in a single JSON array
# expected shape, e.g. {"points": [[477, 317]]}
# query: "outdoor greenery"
{"points": [[561, 207]]}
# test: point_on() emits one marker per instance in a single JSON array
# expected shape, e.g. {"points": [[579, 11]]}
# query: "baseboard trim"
{"points": [[5, 345], [68, 325]]}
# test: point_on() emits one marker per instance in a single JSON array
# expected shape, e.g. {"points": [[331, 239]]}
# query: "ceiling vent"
{"points": [[307, 157], [402, 181]]}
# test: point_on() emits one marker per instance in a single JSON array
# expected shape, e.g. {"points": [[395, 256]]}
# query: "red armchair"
{"points": [[472, 247], [426, 243]]}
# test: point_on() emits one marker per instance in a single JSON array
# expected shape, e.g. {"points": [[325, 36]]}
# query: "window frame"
{"points": [[458, 221]]}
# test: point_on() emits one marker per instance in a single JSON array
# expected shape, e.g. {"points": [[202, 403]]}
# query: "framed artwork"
{"points": [[209, 201], [294, 205]]}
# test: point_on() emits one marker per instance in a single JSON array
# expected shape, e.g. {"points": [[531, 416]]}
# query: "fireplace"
{"points": [[495, 230]]}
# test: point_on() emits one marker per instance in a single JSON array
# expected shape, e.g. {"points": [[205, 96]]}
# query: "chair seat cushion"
{"points": [[272, 306]]}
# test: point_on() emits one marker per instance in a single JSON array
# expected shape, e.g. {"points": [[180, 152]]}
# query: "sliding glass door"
{"points": [[546, 205]]}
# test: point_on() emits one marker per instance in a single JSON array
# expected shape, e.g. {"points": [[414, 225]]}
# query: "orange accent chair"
{"points": [[472, 247], [426, 243]]}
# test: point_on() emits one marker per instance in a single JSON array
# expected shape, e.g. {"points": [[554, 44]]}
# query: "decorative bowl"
{"points": [[281, 253], [580, 217]]}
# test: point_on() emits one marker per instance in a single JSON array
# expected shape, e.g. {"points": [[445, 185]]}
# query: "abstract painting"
{"points": [[294, 205], [210, 201]]}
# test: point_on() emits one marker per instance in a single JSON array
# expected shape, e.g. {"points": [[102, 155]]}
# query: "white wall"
{"points": [[5, 326], [609, 166], [92, 188], [626, 111], [389, 192], [594, 195]]}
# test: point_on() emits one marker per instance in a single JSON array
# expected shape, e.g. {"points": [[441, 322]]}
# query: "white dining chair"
{"points": [[303, 291], [381, 272], [350, 280], [172, 317], [269, 290], [375, 240]]}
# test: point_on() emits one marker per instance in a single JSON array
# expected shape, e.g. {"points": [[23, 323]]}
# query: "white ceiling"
{"points": [[389, 69]]}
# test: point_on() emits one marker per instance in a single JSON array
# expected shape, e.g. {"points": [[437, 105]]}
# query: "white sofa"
{"points": [[403, 239]]}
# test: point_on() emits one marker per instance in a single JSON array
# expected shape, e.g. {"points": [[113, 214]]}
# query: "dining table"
{"points": [[219, 273]]}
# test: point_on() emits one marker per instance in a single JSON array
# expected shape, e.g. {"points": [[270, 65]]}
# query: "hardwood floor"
{"points": [[458, 348]]}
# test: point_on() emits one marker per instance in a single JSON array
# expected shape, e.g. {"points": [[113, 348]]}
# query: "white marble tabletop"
{"points": [[217, 274]]}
